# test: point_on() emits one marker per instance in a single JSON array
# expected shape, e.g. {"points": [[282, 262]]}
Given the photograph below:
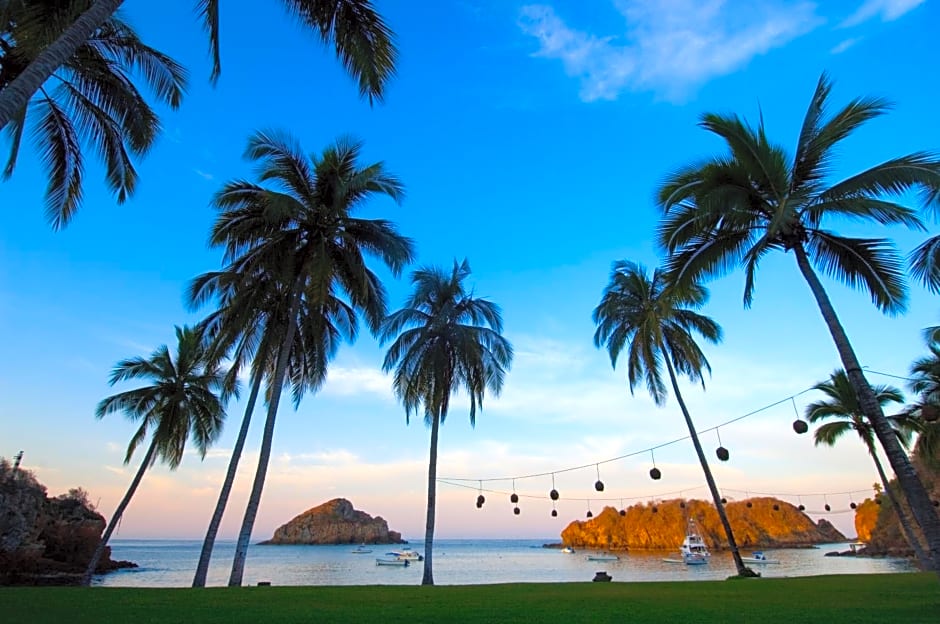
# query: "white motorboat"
{"points": [[567, 550], [693, 548], [401, 563], [406, 554], [759, 557], [361, 550]]}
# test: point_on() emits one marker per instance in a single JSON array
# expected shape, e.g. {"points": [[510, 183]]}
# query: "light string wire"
{"points": [[462, 482]]}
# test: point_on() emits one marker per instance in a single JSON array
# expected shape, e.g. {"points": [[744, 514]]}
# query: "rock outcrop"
{"points": [[46, 540], [335, 522], [766, 523]]}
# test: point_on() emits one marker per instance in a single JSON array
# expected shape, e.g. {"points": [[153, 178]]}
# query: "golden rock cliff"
{"points": [[766, 523]]}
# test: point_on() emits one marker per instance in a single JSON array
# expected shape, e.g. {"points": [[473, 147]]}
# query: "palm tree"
{"points": [[654, 321], [363, 43], [91, 99], [843, 409], [445, 339], [180, 402], [925, 383], [736, 208], [300, 238]]}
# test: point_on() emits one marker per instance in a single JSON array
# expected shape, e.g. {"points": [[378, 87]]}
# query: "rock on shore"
{"points": [[335, 522]]}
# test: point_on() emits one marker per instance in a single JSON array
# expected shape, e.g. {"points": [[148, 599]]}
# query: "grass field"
{"points": [[889, 598]]}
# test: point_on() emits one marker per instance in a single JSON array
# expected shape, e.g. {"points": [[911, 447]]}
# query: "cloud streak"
{"points": [[888, 10], [667, 47]]}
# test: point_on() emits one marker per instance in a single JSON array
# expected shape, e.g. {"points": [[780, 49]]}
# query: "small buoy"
{"points": [[655, 474], [553, 494], [554, 513], [722, 453], [590, 514], [515, 510], [599, 485], [800, 426], [514, 498]]}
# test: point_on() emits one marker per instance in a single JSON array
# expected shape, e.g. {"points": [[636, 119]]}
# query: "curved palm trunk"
{"points": [[919, 552], [254, 500], [116, 518], [914, 491], [17, 94], [428, 578], [716, 497], [202, 569]]}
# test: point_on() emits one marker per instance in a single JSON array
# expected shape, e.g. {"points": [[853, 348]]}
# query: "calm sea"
{"points": [[170, 563]]}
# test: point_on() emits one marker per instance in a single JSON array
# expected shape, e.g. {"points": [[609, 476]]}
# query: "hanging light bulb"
{"points": [[480, 498], [598, 485], [513, 498], [554, 511], [826, 506], [802, 507], [515, 510], [721, 451], [655, 474], [554, 493], [799, 425]]}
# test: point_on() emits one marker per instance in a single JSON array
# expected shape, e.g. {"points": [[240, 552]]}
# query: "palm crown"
{"points": [[180, 403], [653, 320], [736, 208], [448, 339], [91, 99]]}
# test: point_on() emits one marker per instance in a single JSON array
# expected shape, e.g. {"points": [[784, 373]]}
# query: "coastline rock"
{"points": [[335, 522], [46, 541], [757, 526]]}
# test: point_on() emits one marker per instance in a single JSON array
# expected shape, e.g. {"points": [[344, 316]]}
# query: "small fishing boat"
{"points": [[693, 548], [405, 554], [361, 550], [604, 557], [567, 550], [759, 557], [401, 563]]}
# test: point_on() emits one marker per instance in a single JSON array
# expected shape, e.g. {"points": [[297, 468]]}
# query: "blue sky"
{"points": [[530, 138]]}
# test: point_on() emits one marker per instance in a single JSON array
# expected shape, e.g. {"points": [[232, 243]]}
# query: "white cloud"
{"points": [[357, 381], [888, 10], [202, 174], [845, 45], [668, 47]]}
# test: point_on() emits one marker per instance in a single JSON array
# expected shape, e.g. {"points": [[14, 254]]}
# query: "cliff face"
{"points": [[335, 522], [46, 540], [758, 526]]}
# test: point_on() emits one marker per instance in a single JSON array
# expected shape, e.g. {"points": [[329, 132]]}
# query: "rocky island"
{"points": [[756, 522], [335, 522]]}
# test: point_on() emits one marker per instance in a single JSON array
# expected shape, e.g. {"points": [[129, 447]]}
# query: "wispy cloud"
{"points": [[202, 174], [888, 10], [347, 381], [668, 47], [845, 45]]}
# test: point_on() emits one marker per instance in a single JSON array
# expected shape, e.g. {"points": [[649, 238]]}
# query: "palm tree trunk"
{"points": [[922, 557], [254, 499], [911, 485], [716, 497], [202, 569], [15, 96], [118, 513], [428, 578]]}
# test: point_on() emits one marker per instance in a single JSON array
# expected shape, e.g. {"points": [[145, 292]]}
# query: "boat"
{"points": [[758, 557], [604, 557], [361, 550], [405, 555], [693, 548], [568, 550], [401, 563]]}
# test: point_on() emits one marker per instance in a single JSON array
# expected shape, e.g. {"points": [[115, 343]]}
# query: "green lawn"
{"points": [[828, 599]]}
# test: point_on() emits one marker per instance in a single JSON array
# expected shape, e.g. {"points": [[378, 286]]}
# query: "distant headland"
{"points": [[335, 522]]}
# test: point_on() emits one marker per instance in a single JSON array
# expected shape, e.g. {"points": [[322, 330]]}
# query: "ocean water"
{"points": [[171, 563]]}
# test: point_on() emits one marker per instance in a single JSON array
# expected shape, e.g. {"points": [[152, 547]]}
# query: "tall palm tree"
{"points": [[654, 321], [925, 383], [445, 339], [363, 43], [842, 409], [299, 236], [180, 402], [90, 99], [738, 207]]}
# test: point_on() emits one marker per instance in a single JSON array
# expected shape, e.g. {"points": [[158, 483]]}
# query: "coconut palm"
{"points": [[738, 207], [654, 321], [251, 335], [363, 44], [844, 415], [90, 101], [180, 403], [298, 235], [445, 340], [925, 383]]}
